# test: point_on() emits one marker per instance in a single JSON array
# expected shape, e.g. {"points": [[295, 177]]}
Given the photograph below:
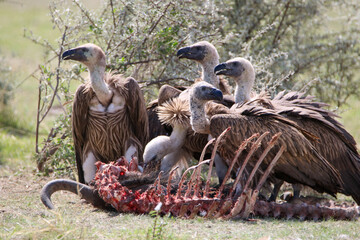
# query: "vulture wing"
{"points": [[300, 163], [342, 154], [137, 110], [79, 119]]}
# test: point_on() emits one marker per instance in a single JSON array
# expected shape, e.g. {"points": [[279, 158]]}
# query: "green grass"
{"points": [[22, 215]]}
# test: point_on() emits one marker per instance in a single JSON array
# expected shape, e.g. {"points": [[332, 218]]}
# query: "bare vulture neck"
{"points": [[198, 120], [208, 74], [177, 138], [101, 89], [244, 84]]}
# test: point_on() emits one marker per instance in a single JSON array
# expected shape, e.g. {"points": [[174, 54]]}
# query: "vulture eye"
{"points": [[198, 48], [203, 88], [122, 173]]}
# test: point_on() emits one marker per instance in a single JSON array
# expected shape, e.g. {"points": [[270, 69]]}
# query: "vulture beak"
{"points": [[153, 162], [183, 52], [193, 52], [77, 54], [221, 69], [216, 94]]}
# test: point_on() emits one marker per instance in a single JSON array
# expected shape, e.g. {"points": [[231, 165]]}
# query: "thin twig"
{"points": [[57, 76], [165, 80], [281, 22]]}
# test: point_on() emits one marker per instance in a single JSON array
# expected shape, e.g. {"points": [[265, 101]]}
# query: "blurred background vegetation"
{"points": [[311, 46]]}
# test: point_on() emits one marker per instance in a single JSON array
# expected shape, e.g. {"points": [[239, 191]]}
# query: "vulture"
{"points": [[334, 143], [109, 117], [168, 149], [300, 162]]}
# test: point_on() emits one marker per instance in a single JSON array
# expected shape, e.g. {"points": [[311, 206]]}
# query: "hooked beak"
{"points": [[68, 54], [193, 52], [183, 52], [76, 54], [217, 94], [221, 69]]}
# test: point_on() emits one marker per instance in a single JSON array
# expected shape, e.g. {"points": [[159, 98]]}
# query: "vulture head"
{"points": [[203, 91], [154, 150], [242, 72], [89, 54], [201, 51], [237, 68]]}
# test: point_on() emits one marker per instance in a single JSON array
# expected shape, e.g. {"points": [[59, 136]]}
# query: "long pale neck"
{"points": [[177, 138], [198, 119], [243, 87], [208, 74], [99, 86], [242, 94]]}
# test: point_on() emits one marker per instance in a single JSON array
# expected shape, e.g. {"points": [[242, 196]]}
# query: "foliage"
{"points": [[309, 41], [292, 44]]}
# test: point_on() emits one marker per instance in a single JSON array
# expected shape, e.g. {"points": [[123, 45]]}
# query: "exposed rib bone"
{"points": [[238, 152], [212, 160], [269, 168], [198, 180], [184, 175], [171, 174], [251, 152], [188, 191]]}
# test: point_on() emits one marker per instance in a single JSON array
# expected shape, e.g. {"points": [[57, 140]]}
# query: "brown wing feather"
{"points": [[156, 128], [334, 142], [135, 103], [301, 163], [299, 106], [167, 92], [79, 122]]}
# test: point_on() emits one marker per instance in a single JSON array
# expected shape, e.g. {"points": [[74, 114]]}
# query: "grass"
{"points": [[22, 215]]}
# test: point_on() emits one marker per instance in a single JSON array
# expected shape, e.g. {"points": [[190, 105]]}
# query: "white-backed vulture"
{"points": [[300, 163], [109, 117], [335, 144], [168, 149]]}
